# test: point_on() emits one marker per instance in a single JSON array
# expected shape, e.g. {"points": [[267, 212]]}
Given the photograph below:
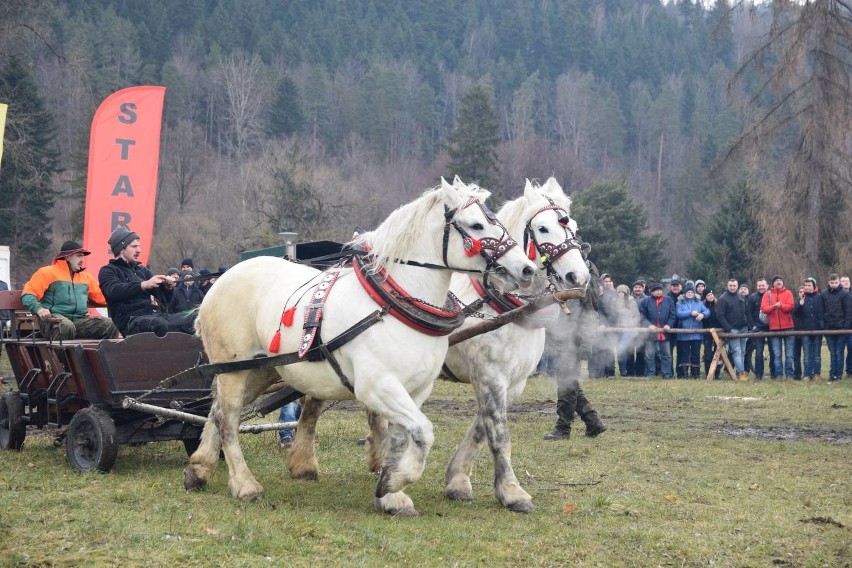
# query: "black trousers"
{"points": [[161, 324]]}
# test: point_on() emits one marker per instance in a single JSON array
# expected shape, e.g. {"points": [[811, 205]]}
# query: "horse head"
{"points": [[475, 240], [541, 219]]}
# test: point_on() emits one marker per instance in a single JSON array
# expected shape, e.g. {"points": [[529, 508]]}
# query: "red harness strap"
{"points": [[500, 304], [414, 313]]}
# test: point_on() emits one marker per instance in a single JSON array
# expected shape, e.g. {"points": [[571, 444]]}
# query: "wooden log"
{"points": [[720, 349], [509, 317]]}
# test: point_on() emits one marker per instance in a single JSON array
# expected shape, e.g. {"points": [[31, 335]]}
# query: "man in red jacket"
{"points": [[778, 304]]}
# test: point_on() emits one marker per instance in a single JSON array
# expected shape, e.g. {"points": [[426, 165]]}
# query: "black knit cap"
{"points": [[120, 238], [71, 247]]}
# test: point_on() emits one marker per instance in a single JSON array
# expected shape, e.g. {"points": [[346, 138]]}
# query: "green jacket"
{"points": [[55, 288]]}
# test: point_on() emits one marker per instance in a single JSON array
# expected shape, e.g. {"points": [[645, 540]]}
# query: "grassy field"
{"points": [[690, 473]]}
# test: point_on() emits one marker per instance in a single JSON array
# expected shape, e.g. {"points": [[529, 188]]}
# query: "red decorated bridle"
{"points": [[548, 253], [489, 248]]}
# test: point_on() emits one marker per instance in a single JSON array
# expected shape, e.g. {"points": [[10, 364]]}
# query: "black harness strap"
{"points": [[332, 360], [449, 374], [317, 353]]}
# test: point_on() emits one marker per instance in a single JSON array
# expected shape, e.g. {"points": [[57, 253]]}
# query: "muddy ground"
{"points": [[466, 409]]}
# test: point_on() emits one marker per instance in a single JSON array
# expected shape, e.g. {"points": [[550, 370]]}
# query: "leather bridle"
{"points": [[489, 248], [548, 253]]}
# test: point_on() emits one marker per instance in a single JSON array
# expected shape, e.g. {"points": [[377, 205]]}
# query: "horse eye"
{"points": [[477, 227], [543, 230]]}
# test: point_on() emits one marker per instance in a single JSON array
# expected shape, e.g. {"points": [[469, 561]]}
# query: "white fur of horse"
{"points": [[391, 366], [497, 364]]}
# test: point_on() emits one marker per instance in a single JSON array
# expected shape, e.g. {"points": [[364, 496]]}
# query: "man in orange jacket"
{"points": [[778, 304], [59, 295]]}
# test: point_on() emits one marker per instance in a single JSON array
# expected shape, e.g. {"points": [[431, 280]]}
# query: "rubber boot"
{"points": [[565, 413], [589, 416]]}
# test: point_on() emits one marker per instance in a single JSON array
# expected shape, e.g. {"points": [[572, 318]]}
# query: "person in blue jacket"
{"points": [[691, 312], [657, 312]]}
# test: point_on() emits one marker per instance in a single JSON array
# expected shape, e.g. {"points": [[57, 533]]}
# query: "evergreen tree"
{"points": [[286, 116], [727, 243], [30, 159], [473, 143], [617, 228]]}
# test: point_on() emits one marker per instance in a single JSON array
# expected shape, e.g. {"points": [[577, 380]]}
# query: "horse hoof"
{"points": [[405, 512], [521, 507], [396, 504], [459, 495], [306, 475], [192, 482], [249, 496], [248, 492]]}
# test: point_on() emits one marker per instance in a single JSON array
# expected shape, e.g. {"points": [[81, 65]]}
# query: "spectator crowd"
{"points": [[675, 313]]}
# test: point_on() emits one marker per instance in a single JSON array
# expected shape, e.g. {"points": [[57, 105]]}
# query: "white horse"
{"points": [[390, 366], [498, 363]]}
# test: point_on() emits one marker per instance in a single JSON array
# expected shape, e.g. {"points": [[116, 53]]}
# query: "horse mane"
{"points": [[515, 214], [398, 235]]}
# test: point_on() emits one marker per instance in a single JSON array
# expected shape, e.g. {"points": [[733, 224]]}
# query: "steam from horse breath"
{"points": [[570, 338]]}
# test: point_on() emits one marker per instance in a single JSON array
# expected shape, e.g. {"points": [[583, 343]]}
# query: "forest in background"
{"points": [[319, 116]]}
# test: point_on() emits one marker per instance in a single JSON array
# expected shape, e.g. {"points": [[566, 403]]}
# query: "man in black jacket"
{"points": [[837, 314], [757, 326], [731, 314], [135, 296]]}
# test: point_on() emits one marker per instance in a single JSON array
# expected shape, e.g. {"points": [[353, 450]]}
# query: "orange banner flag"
{"points": [[124, 154]]}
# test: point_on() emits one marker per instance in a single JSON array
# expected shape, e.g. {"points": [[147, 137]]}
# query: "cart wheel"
{"points": [[12, 427], [90, 441]]}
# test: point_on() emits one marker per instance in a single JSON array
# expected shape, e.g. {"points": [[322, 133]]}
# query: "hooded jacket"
{"points": [[779, 318], [810, 314], [686, 320]]}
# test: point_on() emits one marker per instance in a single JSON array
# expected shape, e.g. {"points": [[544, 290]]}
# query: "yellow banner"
{"points": [[2, 128]]}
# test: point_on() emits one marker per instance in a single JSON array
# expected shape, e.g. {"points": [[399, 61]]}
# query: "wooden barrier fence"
{"points": [[719, 337]]}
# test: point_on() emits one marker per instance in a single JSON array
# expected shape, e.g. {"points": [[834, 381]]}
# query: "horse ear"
{"points": [[554, 191], [449, 195], [457, 182], [551, 187], [528, 188]]}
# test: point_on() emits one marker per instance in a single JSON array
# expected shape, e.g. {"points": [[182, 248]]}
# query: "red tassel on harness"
{"points": [[472, 246], [531, 253], [275, 344], [287, 316]]}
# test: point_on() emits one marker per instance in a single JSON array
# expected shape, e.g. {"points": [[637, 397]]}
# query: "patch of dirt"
{"points": [[786, 433]]}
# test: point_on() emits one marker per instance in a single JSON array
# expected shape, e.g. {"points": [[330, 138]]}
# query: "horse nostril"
{"points": [[571, 278], [529, 271]]}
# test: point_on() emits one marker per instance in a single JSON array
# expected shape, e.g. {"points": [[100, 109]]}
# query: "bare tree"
{"points": [[247, 92], [185, 161], [804, 68]]}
